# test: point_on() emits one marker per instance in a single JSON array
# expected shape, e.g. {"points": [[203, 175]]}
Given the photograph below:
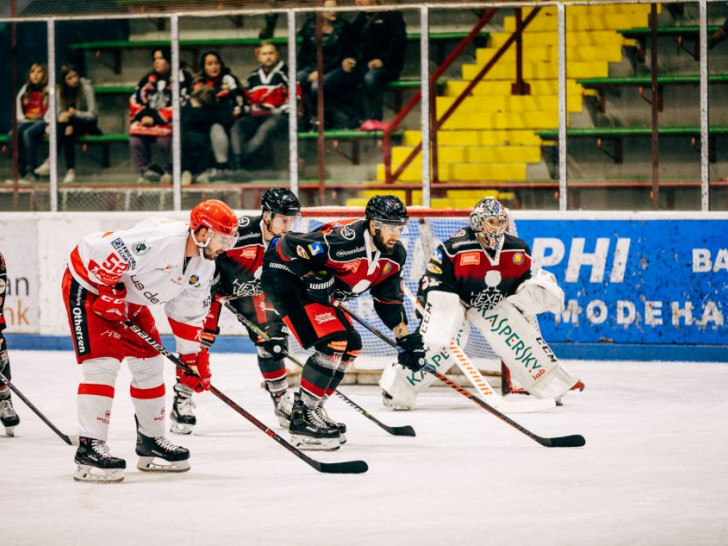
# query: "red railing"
{"points": [[392, 177]]}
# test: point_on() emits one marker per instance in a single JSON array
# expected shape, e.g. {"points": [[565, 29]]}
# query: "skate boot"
{"points": [[308, 431], [8, 417], [96, 464], [341, 427], [283, 407], [159, 455], [183, 418]]}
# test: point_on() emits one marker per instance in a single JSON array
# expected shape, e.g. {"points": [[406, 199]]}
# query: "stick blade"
{"points": [[345, 467], [405, 430], [575, 440]]}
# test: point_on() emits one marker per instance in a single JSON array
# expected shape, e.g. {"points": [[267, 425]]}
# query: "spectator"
{"points": [[150, 113], [266, 98], [228, 105], [198, 116], [373, 56], [32, 117], [77, 115], [719, 35], [333, 28]]}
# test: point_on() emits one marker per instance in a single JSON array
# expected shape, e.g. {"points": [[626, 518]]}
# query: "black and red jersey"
{"points": [[481, 278], [267, 92], [3, 289], [239, 269], [348, 252]]}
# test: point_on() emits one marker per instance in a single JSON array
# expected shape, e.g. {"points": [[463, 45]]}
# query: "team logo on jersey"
{"points": [[243, 221], [470, 258], [352, 267], [518, 258], [194, 281], [140, 248], [301, 252], [348, 233], [387, 268], [437, 256], [249, 253], [432, 268], [315, 248], [459, 233]]}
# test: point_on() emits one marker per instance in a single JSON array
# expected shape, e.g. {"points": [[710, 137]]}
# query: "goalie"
{"points": [[482, 274]]}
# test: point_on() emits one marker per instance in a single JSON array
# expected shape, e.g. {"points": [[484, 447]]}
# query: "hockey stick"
{"points": [[346, 467], [574, 440], [71, 440], [481, 383], [405, 430]]}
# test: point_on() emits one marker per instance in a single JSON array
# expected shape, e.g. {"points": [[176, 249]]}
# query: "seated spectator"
{"points": [[333, 29], [198, 116], [227, 108], [32, 119], [266, 106], [77, 116], [150, 113], [373, 56]]}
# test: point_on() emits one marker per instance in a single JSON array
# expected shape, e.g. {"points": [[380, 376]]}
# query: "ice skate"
{"points": [[96, 464], [159, 455], [8, 417], [182, 418], [341, 427], [282, 407], [309, 432]]}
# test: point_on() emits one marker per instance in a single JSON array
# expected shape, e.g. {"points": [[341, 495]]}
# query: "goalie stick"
{"points": [[345, 467], [574, 440], [481, 384], [71, 440], [405, 430]]}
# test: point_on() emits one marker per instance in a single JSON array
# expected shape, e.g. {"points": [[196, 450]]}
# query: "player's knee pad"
{"points": [[353, 350], [328, 353], [146, 372], [100, 371]]}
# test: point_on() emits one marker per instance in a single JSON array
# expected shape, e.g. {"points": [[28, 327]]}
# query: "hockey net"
{"points": [[425, 230]]}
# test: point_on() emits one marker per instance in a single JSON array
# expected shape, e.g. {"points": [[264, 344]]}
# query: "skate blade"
{"points": [[10, 431], [306, 443], [180, 428], [155, 464], [92, 474], [342, 439]]}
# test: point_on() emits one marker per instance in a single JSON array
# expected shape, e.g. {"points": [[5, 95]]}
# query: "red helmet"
{"points": [[215, 215]]}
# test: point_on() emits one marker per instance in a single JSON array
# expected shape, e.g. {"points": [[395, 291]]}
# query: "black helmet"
{"points": [[280, 201], [386, 208]]}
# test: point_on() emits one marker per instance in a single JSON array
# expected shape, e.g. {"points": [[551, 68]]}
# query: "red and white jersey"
{"points": [[150, 260]]}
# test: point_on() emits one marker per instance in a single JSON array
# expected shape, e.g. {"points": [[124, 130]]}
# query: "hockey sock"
{"points": [[273, 370], [315, 378], [347, 361]]}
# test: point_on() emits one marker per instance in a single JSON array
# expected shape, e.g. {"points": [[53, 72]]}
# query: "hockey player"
{"points": [[483, 274], [8, 417], [112, 277], [238, 276], [305, 273]]}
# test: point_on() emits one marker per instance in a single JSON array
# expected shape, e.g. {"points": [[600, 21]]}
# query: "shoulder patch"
{"points": [[386, 268], [348, 233], [140, 248], [315, 248], [301, 252], [437, 256], [194, 280], [243, 221], [518, 258], [432, 268]]}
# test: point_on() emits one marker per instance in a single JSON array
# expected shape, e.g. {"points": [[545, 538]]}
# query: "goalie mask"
{"points": [[489, 221]]}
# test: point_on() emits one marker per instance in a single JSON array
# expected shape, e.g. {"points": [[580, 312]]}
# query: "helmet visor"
{"points": [[281, 223], [389, 229], [222, 241]]}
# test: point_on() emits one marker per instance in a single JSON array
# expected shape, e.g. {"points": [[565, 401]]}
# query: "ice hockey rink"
{"points": [[654, 469]]}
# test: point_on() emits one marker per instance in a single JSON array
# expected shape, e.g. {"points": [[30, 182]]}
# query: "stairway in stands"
{"points": [[491, 137]]}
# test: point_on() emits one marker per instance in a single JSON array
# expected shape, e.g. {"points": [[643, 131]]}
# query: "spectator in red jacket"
{"points": [[150, 113]]}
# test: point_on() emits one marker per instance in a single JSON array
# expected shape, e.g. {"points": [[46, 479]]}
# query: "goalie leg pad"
{"points": [[530, 360]]}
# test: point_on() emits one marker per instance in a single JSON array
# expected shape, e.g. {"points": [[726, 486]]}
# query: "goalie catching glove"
{"points": [[199, 378], [320, 288], [111, 302], [412, 355]]}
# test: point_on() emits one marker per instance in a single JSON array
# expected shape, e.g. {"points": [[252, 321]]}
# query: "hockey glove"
{"points": [[111, 302], [320, 288], [277, 343], [412, 355], [200, 364]]}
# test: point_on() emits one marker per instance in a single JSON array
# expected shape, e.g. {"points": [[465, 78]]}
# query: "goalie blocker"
{"points": [[483, 274]]}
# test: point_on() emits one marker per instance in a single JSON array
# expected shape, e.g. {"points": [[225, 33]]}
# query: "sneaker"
{"points": [[283, 407], [183, 417], [8, 417], [70, 176], [160, 455], [96, 464], [44, 169], [341, 427], [308, 431]]}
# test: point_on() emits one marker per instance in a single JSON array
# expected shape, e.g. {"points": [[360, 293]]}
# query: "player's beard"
{"points": [[383, 249], [209, 255]]}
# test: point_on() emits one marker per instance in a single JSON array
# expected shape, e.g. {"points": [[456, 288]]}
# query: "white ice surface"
{"points": [[654, 470]]}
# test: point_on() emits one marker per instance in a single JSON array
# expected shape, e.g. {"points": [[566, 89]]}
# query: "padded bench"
{"points": [[642, 82], [617, 135]]}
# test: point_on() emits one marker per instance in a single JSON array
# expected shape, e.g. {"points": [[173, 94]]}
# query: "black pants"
{"points": [[67, 143]]}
